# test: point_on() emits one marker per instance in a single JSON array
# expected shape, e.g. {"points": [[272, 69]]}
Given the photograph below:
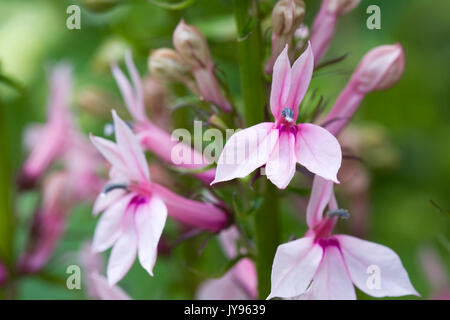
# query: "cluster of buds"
{"points": [[191, 57], [287, 16], [324, 25]]}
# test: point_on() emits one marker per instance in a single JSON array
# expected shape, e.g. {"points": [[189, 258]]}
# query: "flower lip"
{"points": [[328, 242]]}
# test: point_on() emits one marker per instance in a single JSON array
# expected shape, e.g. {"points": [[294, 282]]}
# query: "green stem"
{"points": [[250, 59], [251, 51]]}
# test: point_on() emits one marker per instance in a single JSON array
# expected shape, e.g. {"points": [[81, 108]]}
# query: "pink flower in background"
{"points": [[325, 266], [324, 25], [240, 282], [49, 141], [3, 274], [280, 145], [436, 274], [136, 209], [381, 68], [152, 137]]}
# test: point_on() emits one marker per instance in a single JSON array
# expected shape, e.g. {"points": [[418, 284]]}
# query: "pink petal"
{"points": [[281, 82], [319, 151], [320, 196], [150, 220], [302, 71], [104, 291], [131, 150], [113, 154], [280, 167], [125, 89], [332, 281], [109, 226], [294, 266], [245, 151], [123, 253], [245, 273], [359, 255], [224, 288], [105, 200]]}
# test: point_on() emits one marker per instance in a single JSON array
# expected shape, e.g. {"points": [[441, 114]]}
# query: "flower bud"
{"points": [[167, 65], [96, 102], [191, 45], [381, 68], [340, 7], [287, 15]]}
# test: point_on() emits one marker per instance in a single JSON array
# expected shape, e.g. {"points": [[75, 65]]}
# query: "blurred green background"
{"points": [[415, 116]]}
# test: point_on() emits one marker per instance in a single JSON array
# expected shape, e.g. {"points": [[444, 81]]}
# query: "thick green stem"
{"points": [[251, 51], [250, 59]]}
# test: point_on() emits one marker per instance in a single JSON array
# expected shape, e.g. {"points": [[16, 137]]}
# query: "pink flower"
{"points": [[324, 25], [135, 217], [325, 266], [280, 145], [381, 68], [103, 291], [3, 274], [152, 137], [54, 132]]}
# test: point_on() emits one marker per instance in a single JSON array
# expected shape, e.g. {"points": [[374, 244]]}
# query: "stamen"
{"points": [[288, 114], [113, 186], [340, 213]]}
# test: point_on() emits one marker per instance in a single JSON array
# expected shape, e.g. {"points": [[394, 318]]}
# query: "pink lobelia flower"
{"points": [[134, 218], [280, 145], [52, 135], [151, 136], [381, 68], [240, 282], [324, 25], [325, 266], [3, 274]]}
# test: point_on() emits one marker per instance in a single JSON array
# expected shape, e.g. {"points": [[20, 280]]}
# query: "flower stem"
{"points": [[251, 49]]}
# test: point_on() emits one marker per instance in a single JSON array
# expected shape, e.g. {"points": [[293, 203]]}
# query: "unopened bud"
{"points": [[97, 102], [191, 45], [381, 68], [340, 7], [167, 65], [287, 15]]}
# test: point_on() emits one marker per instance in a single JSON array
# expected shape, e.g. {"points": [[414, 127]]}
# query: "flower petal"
{"points": [[112, 154], [294, 266], [123, 253], [105, 200], [138, 111], [150, 220], [131, 150], [320, 196], [280, 167], [245, 151], [109, 226], [125, 88], [361, 256], [104, 291], [302, 71], [281, 82], [332, 281], [318, 150], [224, 288]]}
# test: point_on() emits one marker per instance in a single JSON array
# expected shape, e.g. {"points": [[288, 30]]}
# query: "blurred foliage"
{"points": [[415, 114]]}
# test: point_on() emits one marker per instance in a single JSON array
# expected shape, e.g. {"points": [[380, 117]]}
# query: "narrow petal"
{"points": [[320, 196], [318, 150], [105, 200], [131, 149], [302, 71], [109, 226], [125, 88], [245, 151], [280, 167], [224, 288], [123, 253], [112, 154], [375, 269], [104, 291], [150, 220], [138, 107], [332, 281], [294, 266], [281, 82]]}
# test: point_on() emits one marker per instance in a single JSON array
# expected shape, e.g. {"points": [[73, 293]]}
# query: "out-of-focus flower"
{"points": [[136, 209], [325, 266], [379, 69], [96, 102], [240, 282], [193, 49], [287, 15], [282, 144], [156, 101], [50, 139], [436, 274], [324, 25], [96, 284], [3, 274], [152, 137]]}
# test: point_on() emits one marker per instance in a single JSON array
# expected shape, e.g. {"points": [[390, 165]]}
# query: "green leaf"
{"points": [[173, 6]]}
